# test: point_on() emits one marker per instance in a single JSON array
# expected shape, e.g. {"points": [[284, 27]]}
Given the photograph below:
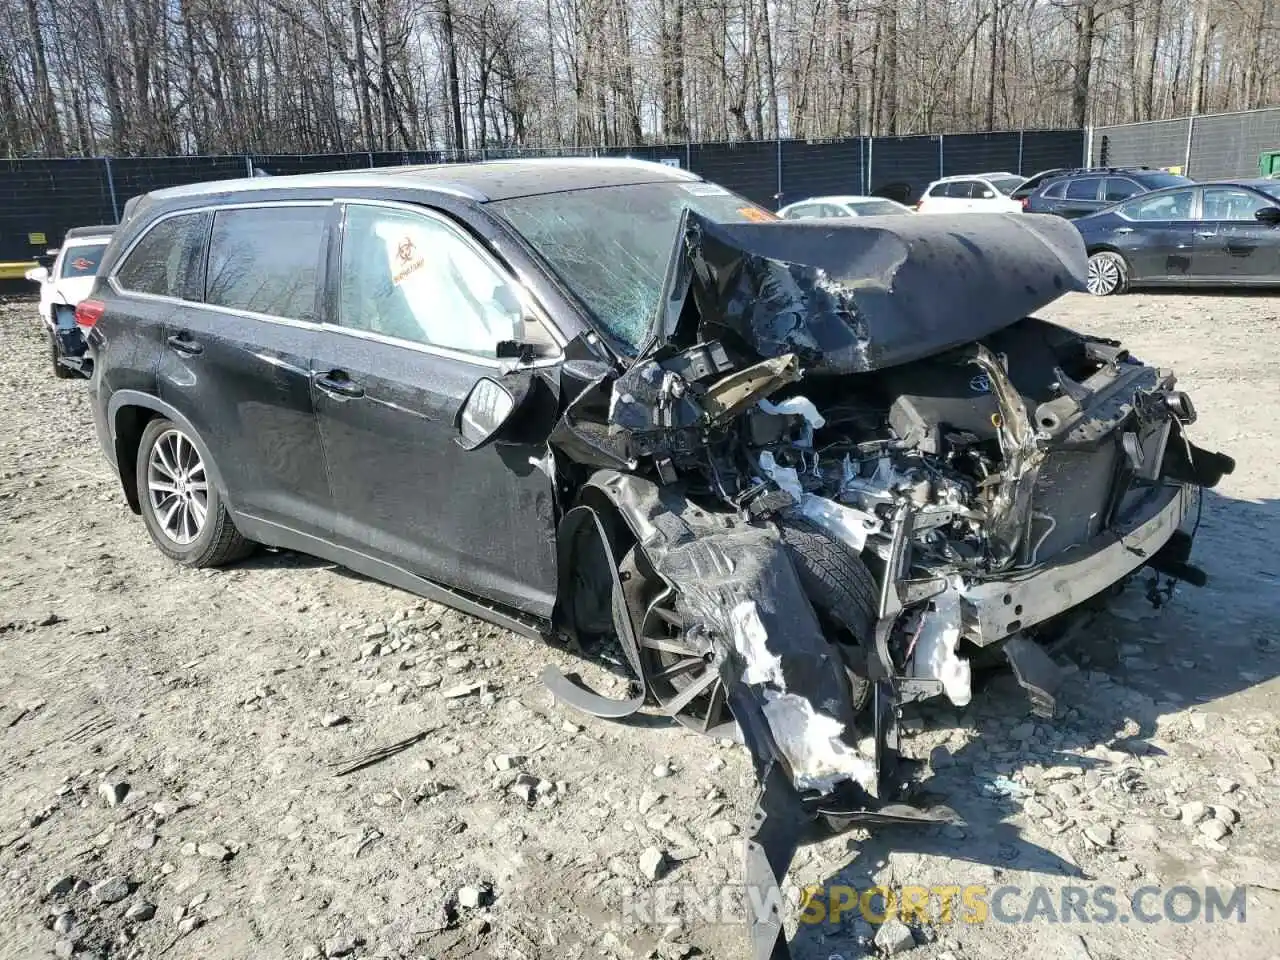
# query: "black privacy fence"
{"points": [[40, 199]]}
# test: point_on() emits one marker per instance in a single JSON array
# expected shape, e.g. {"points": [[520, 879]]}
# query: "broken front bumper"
{"points": [[994, 609]]}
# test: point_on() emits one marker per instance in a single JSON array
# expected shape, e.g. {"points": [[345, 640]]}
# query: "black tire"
{"points": [[1108, 274], [843, 593], [217, 541], [55, 354]]}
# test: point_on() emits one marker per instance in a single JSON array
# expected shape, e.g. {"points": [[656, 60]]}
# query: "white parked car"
{"points": [[973, 193], [843, 206], [62, 286]]}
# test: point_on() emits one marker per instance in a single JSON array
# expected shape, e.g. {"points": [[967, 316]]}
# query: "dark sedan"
{"points": [[1209, 234]]}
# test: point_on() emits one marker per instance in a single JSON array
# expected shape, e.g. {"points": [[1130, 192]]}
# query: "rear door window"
{"points": [[1120, 188], [267, 260], [81, 261], [1055, 190], [1086, 188], [168, 261]]}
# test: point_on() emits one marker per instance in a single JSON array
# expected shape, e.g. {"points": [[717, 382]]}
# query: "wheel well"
{"points": [[585, 589], [129, 424], [1105, 248]]}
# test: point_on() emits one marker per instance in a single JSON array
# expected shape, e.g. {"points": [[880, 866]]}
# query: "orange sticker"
{"points": [[407, 261], [757, 215]]}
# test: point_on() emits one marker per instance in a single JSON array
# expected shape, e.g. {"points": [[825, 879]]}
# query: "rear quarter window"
{"points": [[167, 261]]}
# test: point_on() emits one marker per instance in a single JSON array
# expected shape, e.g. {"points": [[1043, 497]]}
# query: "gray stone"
{"points": [[375, 631], [64, 948], [140, 911], [653, 863], [662, 771], [310, 952], [213, 851], [469, 898], [60, 885], [111, 890], [719, 830], [370, 650], [1214, 829], [1228, 815], [64, 923], [894, 937], [334, 719], [1064, 791], [1036, 810], [1194, 812], [187, 924], [113, 794], [340, 946], [648, 800], [1099, 834], [507, 761]]}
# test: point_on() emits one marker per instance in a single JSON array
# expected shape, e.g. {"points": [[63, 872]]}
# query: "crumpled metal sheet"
{"points": [[852, 296]]}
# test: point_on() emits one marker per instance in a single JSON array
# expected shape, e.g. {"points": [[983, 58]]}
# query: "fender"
{"points": [[136, 398]]}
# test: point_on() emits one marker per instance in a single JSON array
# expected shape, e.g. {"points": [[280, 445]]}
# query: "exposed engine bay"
{"points": [[972, 471]]}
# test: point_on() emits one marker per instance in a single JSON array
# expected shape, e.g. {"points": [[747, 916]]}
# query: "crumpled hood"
{"points": [[858, 295]]}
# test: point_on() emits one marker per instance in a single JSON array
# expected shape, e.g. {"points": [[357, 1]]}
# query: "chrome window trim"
{"points": [[488, 257], [494, 362], [1195, 206]]}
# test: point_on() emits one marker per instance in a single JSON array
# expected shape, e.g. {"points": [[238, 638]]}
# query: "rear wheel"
{"points": [[181, 506], [1108, 274], [55, 357], [680, 668]]}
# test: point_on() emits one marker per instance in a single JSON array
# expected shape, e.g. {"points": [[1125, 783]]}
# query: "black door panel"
{"points": [[244, 383], [480, 521]]}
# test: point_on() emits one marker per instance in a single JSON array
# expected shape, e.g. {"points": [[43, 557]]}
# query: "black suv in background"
{"points": [[1077, 193]]}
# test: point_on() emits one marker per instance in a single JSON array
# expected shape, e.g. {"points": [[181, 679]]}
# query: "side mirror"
{"points": [[37, 274], [488, 407], [1268, 215]]}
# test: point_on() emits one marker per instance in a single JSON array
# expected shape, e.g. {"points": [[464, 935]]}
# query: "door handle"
{"points": [[1205, 233], [337, 384], [182, 343], [1124, 229]]}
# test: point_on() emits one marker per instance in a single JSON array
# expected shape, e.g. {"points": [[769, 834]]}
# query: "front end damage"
{"points": [[845, 460]]}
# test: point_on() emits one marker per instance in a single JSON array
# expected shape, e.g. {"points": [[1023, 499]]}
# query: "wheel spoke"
{"points": [[161, 486], [668, 645], [199, 511], [680, 667], [167, 521], [695, 688]]}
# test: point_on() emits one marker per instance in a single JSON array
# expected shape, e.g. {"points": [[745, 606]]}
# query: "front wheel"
{"points": [[1108, 274], [181, 506]]}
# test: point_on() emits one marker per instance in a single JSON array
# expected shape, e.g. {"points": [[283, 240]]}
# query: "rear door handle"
{"points": [[1124, 229], [182, 343], [1205, 233], [338, 384]]}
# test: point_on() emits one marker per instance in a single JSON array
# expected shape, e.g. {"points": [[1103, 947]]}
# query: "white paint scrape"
{"points": [[934, 656]]}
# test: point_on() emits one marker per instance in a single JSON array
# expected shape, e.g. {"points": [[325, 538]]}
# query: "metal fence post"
{"points": [[1191, 126], [688, 155], [1021, 134], [370, 153], [942, 172], [1088, 146], [248, 166], [111, 187], [871, 146], [777, 200]]}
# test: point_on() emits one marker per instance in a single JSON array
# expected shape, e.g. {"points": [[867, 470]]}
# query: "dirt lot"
{"points": [[167, 738]]}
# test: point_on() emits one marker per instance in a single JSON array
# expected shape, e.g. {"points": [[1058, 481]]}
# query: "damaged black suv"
{"points": [[799, 472]]}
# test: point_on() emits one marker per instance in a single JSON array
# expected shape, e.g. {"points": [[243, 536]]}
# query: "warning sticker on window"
{"points": [[408, 261]]}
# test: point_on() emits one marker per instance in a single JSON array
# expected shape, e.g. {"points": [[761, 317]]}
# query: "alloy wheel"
{"points": [[177, 487], [1104, 275]]}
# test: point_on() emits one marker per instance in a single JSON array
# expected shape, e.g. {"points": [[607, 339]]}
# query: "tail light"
{"points": [[88, 312]]}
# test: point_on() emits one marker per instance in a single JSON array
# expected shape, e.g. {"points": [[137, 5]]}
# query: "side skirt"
{"points": [[276, 535]]}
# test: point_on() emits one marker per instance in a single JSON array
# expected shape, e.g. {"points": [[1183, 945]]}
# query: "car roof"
{"points": [[484, 181], [1257, 183], [972, 176], [843, 198], [79, 233]]}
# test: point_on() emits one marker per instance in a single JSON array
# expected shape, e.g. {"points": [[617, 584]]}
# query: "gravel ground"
{"points": [[170, 739]]}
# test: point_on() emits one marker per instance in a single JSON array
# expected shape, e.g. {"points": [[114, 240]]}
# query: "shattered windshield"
{"points": [[610, 245]]}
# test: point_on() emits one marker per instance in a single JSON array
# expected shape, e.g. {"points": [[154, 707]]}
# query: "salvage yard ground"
{"points": [[171, 740]]}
